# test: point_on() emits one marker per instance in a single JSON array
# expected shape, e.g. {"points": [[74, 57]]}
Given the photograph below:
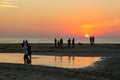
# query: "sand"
{"points": [[108, 69], [49, 49], [78, 50], [30, 72]]}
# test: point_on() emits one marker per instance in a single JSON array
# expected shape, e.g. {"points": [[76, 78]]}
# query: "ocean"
{"points": [[51, 40]]}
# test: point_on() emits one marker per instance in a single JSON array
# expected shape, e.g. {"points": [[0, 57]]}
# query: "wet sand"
{"points": [[54, 61], [78, 50], [108, 69]]}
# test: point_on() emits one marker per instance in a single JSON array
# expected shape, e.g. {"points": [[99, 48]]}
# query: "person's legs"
{"points": [[25, 59], [29, 59]]}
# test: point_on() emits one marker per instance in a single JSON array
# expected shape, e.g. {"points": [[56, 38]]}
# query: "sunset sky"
{"points": [[44, 18]]}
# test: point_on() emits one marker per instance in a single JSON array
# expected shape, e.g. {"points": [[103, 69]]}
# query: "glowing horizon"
{"points": [[19, 18]]}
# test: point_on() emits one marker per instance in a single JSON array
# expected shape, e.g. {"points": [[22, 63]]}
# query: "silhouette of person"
{"points": [[73, 42], [92, 40], [29, 52], [55, 42], [58, 43], [61, 42], [25, 51], [69, 42]]}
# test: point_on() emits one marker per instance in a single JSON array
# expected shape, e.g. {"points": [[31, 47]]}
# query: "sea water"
{"points": [[51, 40]]}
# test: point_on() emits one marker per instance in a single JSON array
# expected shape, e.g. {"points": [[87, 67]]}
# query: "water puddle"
{"points": [[56, 61]]}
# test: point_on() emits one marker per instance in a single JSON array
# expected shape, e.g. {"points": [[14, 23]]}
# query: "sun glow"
{"points": [[87, 30], [87, 35]]}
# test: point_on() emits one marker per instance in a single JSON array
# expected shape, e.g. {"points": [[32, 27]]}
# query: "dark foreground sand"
{"points": [[108, 69]]}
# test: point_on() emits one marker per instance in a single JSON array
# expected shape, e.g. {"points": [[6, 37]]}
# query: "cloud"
{"points": [[7, 4]]}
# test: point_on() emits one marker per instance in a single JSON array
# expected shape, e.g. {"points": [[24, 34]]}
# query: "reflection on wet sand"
{"points": [[58, 61], [75, 61]]}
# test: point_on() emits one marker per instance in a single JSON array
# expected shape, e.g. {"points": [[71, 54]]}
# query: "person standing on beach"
{"points": [[29, 52], [73, 42], [58, 43], [25, 51], [92, 40], [61, 42], [55, 42], [69, 42]]}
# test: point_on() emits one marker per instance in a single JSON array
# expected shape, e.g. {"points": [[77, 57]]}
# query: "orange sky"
{"points": [[29, 18]]}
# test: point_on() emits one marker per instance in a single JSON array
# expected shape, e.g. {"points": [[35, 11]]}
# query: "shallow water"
{"points": [[56, 61]]}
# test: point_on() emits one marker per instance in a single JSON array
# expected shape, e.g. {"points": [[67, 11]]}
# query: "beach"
{"points": [[78, 50], [107, 69]]}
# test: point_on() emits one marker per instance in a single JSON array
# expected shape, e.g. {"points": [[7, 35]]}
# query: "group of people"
{"points": [[27, 52], [59, 43], [69, 42], [92, 40]]}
